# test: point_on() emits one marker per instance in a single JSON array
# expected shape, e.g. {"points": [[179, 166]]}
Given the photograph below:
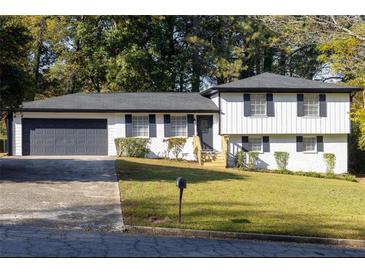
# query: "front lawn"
{"points": [[234, 200]]}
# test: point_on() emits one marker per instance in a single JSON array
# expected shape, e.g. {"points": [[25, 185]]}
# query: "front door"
{"points": [[205, 131]]}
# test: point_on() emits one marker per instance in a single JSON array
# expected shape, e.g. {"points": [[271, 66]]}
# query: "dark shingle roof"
{"points": [[275, 82], [125, 102]]}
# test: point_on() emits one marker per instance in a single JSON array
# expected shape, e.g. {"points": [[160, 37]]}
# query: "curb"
{"points": [[164, 231]]}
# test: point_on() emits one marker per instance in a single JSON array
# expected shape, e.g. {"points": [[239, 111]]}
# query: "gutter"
{"points": [[119, 111]]}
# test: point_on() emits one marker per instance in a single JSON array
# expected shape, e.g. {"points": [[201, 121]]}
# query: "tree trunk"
{"points": [[171, 52], [195, 81], [74, 84], [38, 53], [268, 60], [282, 63]]}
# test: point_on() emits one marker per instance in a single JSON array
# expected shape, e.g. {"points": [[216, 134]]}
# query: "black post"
{"points": [[180, 200]]}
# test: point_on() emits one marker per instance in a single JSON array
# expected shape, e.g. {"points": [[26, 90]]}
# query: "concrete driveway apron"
{"points": [[61, 192]]}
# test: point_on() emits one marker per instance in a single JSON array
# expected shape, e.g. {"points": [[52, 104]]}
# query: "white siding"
{"points": [[217, 145], [336, 143], [215, 99], [17, 135], [285, 120], [116, 128]]}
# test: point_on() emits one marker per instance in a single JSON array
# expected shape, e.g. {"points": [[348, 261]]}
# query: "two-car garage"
{"points": [[64, 136]]}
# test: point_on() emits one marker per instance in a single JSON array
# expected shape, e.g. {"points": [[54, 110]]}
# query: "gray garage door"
{"points": [[65, 137]]}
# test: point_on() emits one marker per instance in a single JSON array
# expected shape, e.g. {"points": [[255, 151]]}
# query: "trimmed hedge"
{"points": [[240, 159], [330, 160], [175, 145], [281, 158], [132, 147]]}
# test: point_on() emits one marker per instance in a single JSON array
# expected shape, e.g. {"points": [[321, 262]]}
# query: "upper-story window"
{"points": [[311, 105], [179, 126], [309, 144], [140, 126], [258, 104]]}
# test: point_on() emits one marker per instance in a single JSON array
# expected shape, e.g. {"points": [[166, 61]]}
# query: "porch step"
{"points": [[213, 159]]}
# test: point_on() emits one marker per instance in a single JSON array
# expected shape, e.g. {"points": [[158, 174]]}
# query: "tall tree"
{"points": [[14, 73]]}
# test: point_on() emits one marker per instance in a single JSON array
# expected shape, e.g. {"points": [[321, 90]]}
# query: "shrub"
{"points": [[330, 160], [349, 177], [175, 145], [132, 147], [252, 159], [281, 159], [240, 159]]}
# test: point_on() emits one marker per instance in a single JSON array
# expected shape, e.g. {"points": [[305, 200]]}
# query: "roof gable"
{"points": [[276, 82]]}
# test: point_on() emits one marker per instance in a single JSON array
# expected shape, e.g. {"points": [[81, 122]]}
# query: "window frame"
{"points": [[256, 138], [146, 117], [263, 95], [172, 128], [315, 144], [316, 102]]}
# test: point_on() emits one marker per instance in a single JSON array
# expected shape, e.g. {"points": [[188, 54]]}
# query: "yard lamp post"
{"points": [[181, 184]]}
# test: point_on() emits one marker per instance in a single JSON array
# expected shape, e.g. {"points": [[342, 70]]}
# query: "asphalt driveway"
{"points": [[60, 192], [34, 242]]}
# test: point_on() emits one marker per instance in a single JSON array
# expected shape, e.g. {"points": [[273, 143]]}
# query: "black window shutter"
{"points": [[245, 143], [152, 125], [299, 143], [320, 144], [266, 143], [300, 105], [167, 125], [128, 125], [190, 125], [322, 105], [270, 105], [247, 104]]}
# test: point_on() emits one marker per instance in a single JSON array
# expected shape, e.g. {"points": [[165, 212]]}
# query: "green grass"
{"points": [[235, 200]]}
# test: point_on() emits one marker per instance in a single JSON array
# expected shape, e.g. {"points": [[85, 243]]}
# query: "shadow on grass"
{"points": [[239, 217], [129, 170]]}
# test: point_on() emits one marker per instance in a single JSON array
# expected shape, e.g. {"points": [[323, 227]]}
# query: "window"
{"points": [[309, 144], [179, 126], [140, 126], [258, 104], [255, 144], [311, 105]]}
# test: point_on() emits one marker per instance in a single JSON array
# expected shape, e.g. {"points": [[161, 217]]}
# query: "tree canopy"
{"points": [[43, 56]]}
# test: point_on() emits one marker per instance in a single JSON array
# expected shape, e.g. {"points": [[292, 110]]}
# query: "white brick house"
{"points": [[263, 113]]}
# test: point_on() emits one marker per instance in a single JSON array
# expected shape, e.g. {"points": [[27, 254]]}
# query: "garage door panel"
{"points": [[65, 137]]}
